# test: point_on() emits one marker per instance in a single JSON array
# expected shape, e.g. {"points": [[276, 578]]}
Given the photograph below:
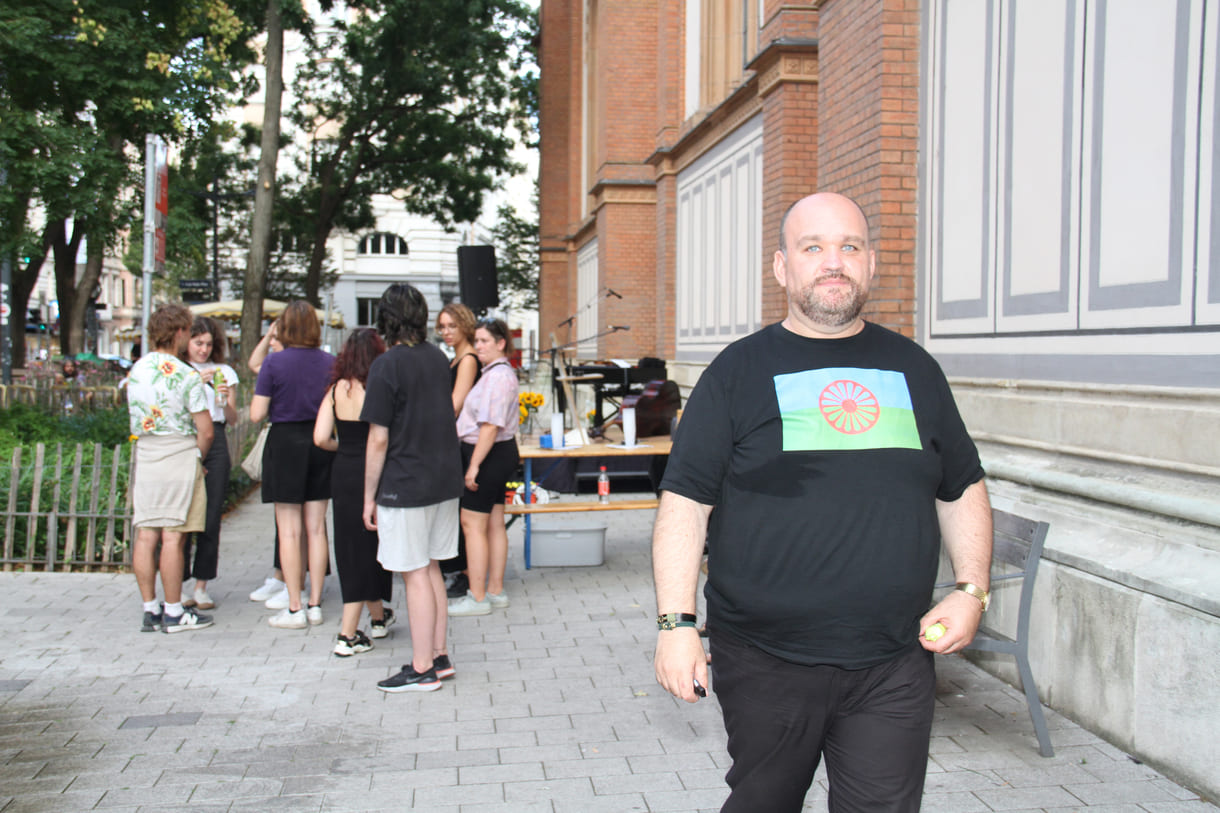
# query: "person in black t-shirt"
{"points": [[413, 478], [824, 461]]}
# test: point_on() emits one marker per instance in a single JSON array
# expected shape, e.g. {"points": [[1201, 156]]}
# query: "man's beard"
{"points": [[839, 311]]}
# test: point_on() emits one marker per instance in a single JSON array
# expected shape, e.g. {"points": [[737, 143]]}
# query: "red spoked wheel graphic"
{"points": [[849, 407]]}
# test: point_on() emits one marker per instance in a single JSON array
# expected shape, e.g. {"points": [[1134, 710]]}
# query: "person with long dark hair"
{"points": [[296, 473], [362, 579], [413, 479], [206, 353], [487, 428]]}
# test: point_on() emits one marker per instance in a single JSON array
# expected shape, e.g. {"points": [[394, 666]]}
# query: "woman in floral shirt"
{"points": [[169, 416]]}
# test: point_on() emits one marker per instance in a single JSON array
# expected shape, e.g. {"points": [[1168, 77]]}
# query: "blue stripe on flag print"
{"points": [[837, 408]]}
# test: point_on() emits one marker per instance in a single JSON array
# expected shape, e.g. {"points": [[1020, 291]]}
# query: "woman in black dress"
{"points": [[362, 580], [455, 324]]}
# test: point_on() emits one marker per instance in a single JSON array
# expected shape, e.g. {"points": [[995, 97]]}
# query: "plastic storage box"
{"points": [[572, 543]]}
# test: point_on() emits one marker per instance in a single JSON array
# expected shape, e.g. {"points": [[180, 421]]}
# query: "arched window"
{"points": [[381, 243]]}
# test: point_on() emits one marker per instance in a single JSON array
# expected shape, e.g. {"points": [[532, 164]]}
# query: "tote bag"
{"points": [[253, 464]]}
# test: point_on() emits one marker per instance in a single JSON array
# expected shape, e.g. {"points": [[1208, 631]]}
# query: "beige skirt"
{"points": [[168, 489]]}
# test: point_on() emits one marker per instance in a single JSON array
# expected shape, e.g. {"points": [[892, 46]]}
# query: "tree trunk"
{"points": [[64, 249], [24, 281], [95, 252], [259, 256]]}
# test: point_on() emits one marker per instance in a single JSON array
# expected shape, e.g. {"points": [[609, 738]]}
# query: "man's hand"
{"points": [[960, 613], [680, 661], [370, 514]]}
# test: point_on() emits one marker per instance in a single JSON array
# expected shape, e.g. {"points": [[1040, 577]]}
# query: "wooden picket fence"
{"points": [[65, 512]]}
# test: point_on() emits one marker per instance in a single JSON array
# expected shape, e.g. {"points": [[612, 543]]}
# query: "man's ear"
{"points": [[779, 267]]}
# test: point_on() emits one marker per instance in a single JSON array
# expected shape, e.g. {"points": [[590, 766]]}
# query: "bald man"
{"points": [[823, 460]]}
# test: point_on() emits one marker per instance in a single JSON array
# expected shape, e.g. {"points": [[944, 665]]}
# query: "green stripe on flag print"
{"points": [[846, 408]]}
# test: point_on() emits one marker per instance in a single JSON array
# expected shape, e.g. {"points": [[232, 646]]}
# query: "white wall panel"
{"points": [[719, 244], [589, 295]]}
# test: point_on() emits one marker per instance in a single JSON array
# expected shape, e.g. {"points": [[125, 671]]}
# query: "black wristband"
{"points": [[669, 621]]}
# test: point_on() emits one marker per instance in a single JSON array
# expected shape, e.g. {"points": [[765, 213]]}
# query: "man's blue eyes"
{"points": [[812, 249]]}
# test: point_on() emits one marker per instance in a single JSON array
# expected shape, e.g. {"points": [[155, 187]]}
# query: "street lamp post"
{"points": [[215, 196]]}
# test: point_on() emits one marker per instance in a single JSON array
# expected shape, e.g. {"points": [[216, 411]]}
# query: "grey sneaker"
{"points": [[189, 620], [467, 605], [498, 600], [152, 622], [408, 680]]}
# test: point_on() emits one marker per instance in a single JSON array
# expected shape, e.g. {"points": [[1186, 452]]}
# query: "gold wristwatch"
{"points": [[982, 595]]}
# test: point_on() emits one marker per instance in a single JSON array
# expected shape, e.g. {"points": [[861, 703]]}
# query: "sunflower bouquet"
{"points": [[527, 405]]}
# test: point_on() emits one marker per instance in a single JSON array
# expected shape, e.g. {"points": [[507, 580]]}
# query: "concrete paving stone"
{"points": [[193, 808], [964, 760], [614, 748], [1065, 774], [498, 739], [953, 803], [539, 753], [1032, 798], [302, 803], [685, 800], [453, 759], [549, 790], [618, 803], [588, 731], [1119, 770], [387, 803], [962, 781], [1098, 809], [641, 782], [157, 795], [20, 770], [699, 779], [1099, 793], [325, 783], [127, 779], [1184, 806], [479, 727], [422, 745], [1175, 790], [510, 807], [386, 780], [591, 768], [694, 760], [515, 772], [241, 789], [181, 718], [286, 768], [428, 798], [540, 722], [44, 786]]}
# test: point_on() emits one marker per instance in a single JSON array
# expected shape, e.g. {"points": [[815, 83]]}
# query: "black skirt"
{"points": [[294, 470]]}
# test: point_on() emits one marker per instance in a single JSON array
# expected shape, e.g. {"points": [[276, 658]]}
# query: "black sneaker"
{"points": [[443, 667], [346, 647], [408, 680], [152, 622], [189, 620], [461, 583], [377, 628]]}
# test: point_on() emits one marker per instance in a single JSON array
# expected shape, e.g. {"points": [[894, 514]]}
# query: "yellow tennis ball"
{"points": [[934, 632]]}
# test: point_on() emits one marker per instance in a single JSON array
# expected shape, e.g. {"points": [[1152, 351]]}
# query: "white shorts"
{"points": [[410, 538]]}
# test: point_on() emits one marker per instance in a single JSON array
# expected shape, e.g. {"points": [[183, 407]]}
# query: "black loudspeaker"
{"points": [[477, 277]]}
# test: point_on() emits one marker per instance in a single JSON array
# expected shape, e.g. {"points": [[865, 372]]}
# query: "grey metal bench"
{"points": [[1018, 543]]}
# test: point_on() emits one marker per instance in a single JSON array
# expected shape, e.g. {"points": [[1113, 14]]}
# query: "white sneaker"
{"points": [[286, 619], [203, 601], [498, 600], [314, 614], [279, 601], [270, 588], [467, 605]]}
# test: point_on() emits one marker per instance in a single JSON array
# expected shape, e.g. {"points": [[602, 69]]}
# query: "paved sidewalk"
{"points": [[554, 708]]}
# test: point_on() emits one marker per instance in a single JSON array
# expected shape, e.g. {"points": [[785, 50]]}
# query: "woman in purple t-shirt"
{"points": [[296, 473]]}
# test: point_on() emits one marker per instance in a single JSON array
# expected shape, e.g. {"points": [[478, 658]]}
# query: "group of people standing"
{"points": [[414, 449]]}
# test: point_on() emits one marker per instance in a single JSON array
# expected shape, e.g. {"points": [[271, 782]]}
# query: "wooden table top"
{"points": [[660, 444]]}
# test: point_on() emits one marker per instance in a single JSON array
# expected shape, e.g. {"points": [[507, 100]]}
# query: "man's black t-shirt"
{"points": [[408, 391], [823, 459]]}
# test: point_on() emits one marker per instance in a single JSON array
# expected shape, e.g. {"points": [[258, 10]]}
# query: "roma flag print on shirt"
{"points": [[845, 408]]}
